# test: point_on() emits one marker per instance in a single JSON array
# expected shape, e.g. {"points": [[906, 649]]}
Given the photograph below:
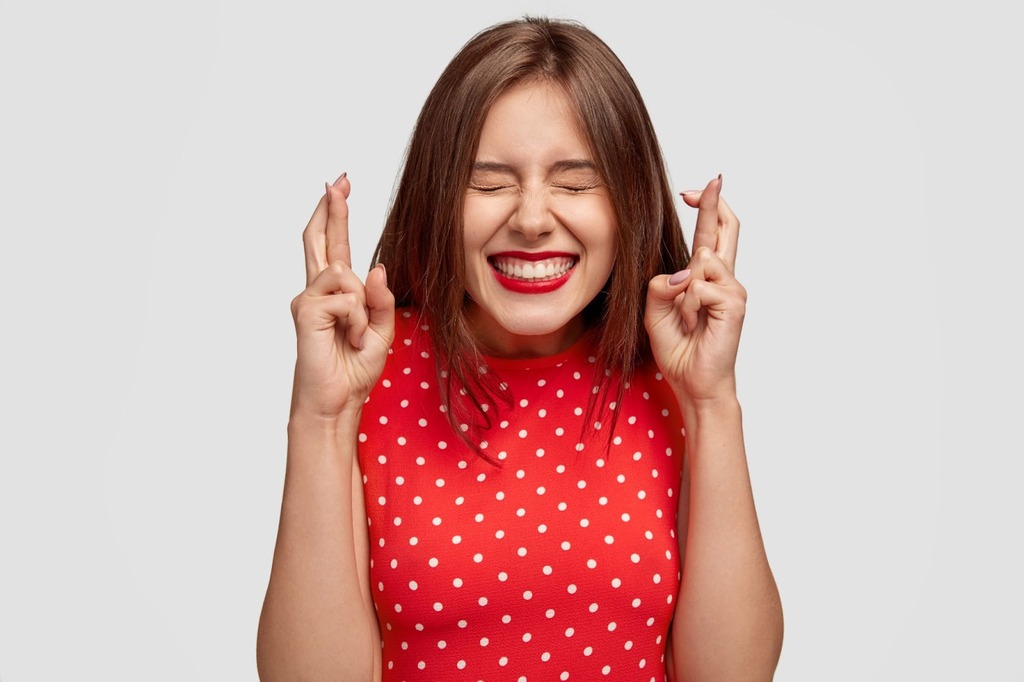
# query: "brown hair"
{"points": [[422, 240]]}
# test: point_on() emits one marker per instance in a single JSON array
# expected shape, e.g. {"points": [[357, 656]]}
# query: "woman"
{"points": [[495, 482]]}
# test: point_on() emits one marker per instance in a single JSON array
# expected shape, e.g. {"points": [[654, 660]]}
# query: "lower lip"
{"points": [[521, 286]]}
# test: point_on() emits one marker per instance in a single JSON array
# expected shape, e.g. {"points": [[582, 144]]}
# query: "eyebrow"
{"points": [[567, 164]]}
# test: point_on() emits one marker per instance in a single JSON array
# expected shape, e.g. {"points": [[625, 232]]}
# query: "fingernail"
{"points": [[679, 277], [690, 191], [385, 271], [340, 178], [362, 342], [328, 190]]}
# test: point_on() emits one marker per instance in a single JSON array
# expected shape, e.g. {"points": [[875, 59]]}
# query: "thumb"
{"points": [[662, 292], [381, 303]]}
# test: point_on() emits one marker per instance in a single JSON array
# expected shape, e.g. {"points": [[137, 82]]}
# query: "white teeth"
{"points": [[533, 270]]}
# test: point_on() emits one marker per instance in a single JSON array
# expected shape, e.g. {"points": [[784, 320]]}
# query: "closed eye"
{"points": [[488, 188]]}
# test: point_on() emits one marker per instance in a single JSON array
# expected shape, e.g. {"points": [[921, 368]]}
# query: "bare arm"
{"points": [[728, 619], [318, 620]]}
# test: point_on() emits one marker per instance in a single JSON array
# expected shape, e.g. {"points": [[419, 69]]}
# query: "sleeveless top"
{"points": [[557, 562]]}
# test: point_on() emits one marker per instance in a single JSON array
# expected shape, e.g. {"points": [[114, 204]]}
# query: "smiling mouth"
{"points": [[533, 270]]}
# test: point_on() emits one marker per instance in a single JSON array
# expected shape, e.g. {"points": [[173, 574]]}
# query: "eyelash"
{"points": [[569, 188]]}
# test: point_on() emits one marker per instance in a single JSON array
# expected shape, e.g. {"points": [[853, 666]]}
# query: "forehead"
{"points": [[532, 122]]}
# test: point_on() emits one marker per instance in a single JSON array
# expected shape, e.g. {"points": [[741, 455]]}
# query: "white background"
{"points": [[157, 166]]}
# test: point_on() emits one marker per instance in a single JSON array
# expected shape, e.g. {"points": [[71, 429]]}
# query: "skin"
{"points": [[318, 620], [534, 190]]}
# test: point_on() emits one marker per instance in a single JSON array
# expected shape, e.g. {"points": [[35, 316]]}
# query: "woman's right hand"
{"points": [[343, 327]]}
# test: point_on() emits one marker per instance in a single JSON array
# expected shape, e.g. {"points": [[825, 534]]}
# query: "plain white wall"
{"points": [[157, 166]]}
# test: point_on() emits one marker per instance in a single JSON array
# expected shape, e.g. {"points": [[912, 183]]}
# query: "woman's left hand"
{"points": [[694, 316]]}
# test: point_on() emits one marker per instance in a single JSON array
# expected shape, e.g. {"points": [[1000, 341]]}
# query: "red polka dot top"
{"points": [[558, 563]]}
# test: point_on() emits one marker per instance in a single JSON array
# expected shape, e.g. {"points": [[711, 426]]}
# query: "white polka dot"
{"points": [[478, 557], [611, 626], [642, 494], [527, 595], [457, 582], [503, 661], [550, 613], [421, 461], [421, 665], [506, 619], [602, 500], [499, 496], [560, 468], [456, 539], [545, 656], [559, 431], [399, 480], [564, 676], [636, 603], [413, 540], [541, 490], [589, 650], [599, 463], [542, 528], [436, 520], [620, 478], [484, 641], [571, 589], [527, 636], [460, 665], [459, 500], [438, 606], [628, 645], [609, 539], [413, 585], [481, 477], [520, 473], [625, 517], [442, 644], [649, 535], [381, 500], [657, 578], [566, 545], [499, 534], [594, 607], [482, 601], [522, 433], [560, 393], [433, 562], [441, 445], [383, 419], [650, 621], [584, 523], [562, 506], [479, 517], [540, 452], [581, 484], [521, 551], [634, 557], [616, 583], [422, 422], [439, 483], [591, 563], [382, 459], [546, 570], [398, 608], [503, 576], [394, 563], [417, 500], [520, 512]]}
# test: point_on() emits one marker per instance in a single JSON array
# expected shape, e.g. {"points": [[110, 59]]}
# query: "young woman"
{"points": [[533, 468]]}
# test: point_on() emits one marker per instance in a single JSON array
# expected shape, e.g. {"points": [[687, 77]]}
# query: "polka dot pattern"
{"points": [[559, 564]]}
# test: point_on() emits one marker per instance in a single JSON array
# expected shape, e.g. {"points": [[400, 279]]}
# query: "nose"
{"points": [[532, 217]]}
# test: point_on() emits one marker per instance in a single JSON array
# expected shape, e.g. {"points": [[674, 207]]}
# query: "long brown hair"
{"points": [[422, 240]]}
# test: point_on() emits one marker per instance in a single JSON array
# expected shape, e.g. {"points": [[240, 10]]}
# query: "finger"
{"points": [[314, 242], [706, 232], [336, 278], [338, 248], [707, 265], [728, 235], [716, 300], [381, 304], [662, 292], [344, 311]]}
